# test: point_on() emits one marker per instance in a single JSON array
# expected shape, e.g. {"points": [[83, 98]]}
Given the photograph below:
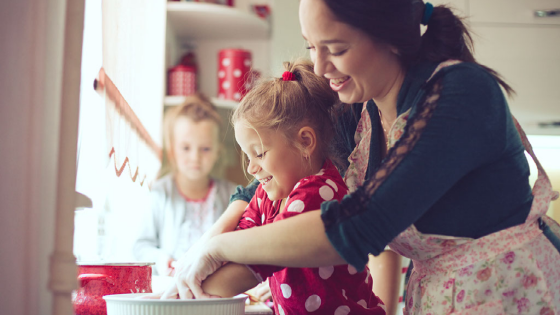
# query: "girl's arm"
{"points": [[230, 280], [385, 271]]}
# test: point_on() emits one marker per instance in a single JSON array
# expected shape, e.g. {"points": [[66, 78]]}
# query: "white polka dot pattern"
{"points": [[352, 270], [237, 96], [332, 184], [281, 310], [326, 272], [237, 73], [259, 202], [296, 206], [321, 172], [326, 193], [286, 290], [226, 62], [221, 74], [262, 219], [225, 85], [362, 303], [342, 310], [313, 303], [249, 219], [247, 62]]}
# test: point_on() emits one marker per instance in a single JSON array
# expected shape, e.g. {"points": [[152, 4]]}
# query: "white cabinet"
{"points": [[205, 29], [521, 40]]}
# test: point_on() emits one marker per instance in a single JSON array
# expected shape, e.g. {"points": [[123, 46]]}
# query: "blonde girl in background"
{"points": [[186, 201]]}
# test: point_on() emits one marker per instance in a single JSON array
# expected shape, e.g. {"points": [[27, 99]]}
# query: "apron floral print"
{"points": [[359, 158], [513, 271]]}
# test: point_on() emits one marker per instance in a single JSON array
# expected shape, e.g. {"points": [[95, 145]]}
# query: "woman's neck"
{"points": [[193, 189], [387, 102]]}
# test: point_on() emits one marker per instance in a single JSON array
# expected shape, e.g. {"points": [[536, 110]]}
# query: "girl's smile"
{"points": [[273, 161]]}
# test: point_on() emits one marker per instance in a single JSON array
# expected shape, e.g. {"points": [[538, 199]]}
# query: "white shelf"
{"points": [[178, 100], [192, 20]]}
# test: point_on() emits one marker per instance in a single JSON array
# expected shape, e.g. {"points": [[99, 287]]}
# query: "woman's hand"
{"points": [[192, 268]]}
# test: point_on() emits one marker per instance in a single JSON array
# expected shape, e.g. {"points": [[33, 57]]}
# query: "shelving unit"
{"points": [[207, 28], [193, 21]]}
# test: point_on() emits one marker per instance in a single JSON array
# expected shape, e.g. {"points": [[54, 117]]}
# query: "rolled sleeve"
{"points": [[244, 193]]}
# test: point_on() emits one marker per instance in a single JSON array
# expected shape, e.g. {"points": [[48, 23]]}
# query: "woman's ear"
{"points": [[308, 140]]}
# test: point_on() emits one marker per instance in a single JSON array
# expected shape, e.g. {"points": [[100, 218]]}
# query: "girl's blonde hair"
{"points": [[289, 105], [197, 107]]}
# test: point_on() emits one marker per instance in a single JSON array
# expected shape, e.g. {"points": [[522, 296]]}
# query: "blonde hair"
{"points": [[197, 107], [289, 105]]}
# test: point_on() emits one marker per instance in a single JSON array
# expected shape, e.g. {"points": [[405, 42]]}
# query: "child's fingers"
{"points": [[185, 292], [198, 293], [151, 296], [170, 293]]}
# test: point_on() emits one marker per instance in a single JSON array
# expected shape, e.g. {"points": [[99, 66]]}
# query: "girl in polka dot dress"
{"points": [[282, 127]]}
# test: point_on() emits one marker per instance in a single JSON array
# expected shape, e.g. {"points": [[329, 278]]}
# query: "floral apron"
{"points": [[512, 271]]}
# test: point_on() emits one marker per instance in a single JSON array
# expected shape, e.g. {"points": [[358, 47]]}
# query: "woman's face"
{"points": [[358, 68]]}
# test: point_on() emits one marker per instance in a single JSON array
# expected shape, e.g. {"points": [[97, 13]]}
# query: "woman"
{"points": [[437, 167]]}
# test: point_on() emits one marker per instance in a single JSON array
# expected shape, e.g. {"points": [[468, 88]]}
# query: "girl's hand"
{"points": [[262, 291]]}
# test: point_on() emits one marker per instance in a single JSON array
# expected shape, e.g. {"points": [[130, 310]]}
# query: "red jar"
{"points": [[97, 280], [181, 80], [233, 73]]}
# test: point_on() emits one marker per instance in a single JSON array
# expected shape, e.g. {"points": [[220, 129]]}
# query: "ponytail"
{"points": [[397, 23], [447, 37]]}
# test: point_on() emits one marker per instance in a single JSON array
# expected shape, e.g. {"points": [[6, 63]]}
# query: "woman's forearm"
{"points": [[299, 241]]}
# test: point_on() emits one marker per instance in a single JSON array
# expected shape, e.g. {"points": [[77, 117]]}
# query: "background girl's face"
{"points": [[358, 68], [195, 147], [277, 164]]}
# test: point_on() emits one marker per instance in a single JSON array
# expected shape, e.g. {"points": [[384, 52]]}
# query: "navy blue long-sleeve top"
{"points": [[466, 175]]}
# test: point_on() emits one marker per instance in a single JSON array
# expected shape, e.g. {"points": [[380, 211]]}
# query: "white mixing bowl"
{"points": [[132, 304]]}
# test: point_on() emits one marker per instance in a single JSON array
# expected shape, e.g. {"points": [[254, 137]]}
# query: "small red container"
{"points": [[97, 280], [233, 73], [181, 80]]}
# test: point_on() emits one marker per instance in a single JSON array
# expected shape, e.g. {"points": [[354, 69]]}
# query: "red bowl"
{"points": [[99, 279]]}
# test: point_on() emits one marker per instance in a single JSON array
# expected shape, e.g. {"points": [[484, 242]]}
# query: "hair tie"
{"points": [[288, 76], [428, 10]]}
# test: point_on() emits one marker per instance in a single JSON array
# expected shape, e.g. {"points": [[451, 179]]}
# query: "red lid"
{"points": [[234, 52], [183, 68]]}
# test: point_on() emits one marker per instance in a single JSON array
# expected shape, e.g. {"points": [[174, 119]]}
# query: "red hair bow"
{"points": [[288, 76]]}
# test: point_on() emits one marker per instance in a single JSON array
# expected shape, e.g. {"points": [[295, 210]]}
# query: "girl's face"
{"points": [[195, 147], [277, 164], [358, 68]]}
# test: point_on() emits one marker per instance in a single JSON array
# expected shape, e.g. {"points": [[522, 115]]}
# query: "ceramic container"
{"points": [[99, 279], [234, 67], [133, 304]]}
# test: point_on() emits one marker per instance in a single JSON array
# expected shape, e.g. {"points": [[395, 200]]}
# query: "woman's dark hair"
{"points": [[397, 23]]}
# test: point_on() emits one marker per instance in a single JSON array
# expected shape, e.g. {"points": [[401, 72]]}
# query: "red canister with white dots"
{"points": [[182, 80], [233, 73]]}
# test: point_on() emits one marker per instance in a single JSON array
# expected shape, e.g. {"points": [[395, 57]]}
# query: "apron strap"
{"points": [[528, 147]]}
